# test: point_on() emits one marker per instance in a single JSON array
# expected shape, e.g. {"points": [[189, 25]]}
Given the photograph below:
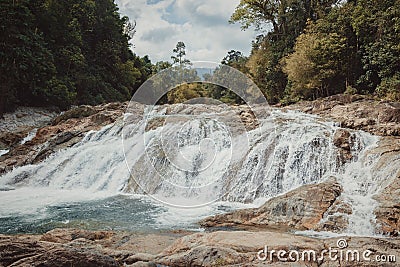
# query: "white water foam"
{"points": [[29, 136], [3, 152], [293, 150]]}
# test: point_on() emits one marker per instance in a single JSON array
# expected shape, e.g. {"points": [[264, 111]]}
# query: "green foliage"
{"points": [[377, 25], [317, 67], [67, 52], [352, 44], [389, 88], [25, 62]]}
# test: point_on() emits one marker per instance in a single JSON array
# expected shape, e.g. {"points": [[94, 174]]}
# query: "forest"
{"points": [[317, 48], [66, 52], [71, 52]]}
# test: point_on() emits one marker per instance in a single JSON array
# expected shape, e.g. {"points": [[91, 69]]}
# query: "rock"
{"points": [[142, 264], [335, 218], [66, 130], [342, 140], [356, 112], [75, 113], [11, 139], [23, 251], [240, 248], [140, 257], [76, 247], [67, 235], [69, 247], [27, 118], [295, 209], [388, 210], [66, 258]]}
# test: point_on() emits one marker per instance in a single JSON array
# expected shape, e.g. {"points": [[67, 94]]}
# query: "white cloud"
{"points": [[201, 24]]}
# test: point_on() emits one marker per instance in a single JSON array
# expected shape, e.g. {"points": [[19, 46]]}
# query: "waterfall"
{"points": [[187, 160]]}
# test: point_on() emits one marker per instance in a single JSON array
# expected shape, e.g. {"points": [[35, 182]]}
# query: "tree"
{"points": [[377, 25], [180, 51], [27, 65], [325, 60], [160, 66], [282, 22], [67, 52]]}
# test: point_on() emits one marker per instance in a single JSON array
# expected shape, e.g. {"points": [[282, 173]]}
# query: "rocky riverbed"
{"points": [[73, 247], [231, 239]]}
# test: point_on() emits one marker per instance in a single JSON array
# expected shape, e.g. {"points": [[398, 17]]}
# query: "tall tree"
{"points": [[180, 53], [377, 25]]}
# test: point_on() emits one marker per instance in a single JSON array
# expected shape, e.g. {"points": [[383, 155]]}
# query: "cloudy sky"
{"points": [[201, 24]]}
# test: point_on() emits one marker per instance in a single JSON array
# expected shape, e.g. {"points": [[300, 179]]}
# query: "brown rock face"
{"points": [[240, 248], [302, 208], [342, 140], [388, 210], [69, 247], [356, 112]]}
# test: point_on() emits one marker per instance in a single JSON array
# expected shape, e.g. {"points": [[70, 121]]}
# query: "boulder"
{"points": [[295, 209]]}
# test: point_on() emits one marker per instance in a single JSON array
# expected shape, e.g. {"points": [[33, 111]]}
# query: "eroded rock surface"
{"points": [[388, 210], [302, 208], [70, 247], [356, 112]]}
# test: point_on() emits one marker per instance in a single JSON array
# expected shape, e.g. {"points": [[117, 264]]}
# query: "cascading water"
{"points": [[193, 160]]}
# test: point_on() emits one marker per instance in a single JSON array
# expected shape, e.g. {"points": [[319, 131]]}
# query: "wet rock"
{"points": [[388, 210], [11, 139], [342, 140], [295, 209], [335, 218]]}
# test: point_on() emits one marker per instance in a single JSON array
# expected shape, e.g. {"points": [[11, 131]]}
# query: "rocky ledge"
{"points": [[71, 247], [54, 133], [295, 210], [356, 112]]}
